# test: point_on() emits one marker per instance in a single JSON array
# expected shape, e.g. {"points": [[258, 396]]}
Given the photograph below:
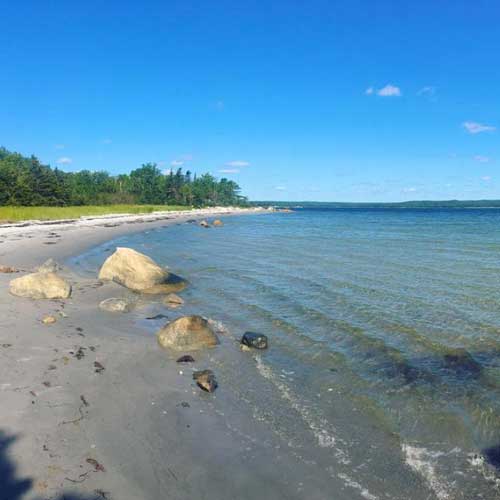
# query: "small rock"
{"points": [[186, 359], [188, 333], [49, 266], [204, 223], [205, 380], [217, 222], [49, 320], [255, 340], [115, 305], [8, 269], [173, 300], [98, 367], [244, 348], [157, 316]]}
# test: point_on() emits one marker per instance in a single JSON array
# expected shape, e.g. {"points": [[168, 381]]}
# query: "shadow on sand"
{"points": [[14, 488]]}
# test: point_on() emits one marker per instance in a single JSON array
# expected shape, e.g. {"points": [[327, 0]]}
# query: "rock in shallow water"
{"points": [[218, 223], [115, 305], [49, 320], [173, 300], [186, 359], [205, 380], [255, 340], [133, 270], [40, 286], [188, 333]]}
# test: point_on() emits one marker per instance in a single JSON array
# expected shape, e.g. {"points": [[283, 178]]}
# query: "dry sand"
{"points": [[139, 428]]}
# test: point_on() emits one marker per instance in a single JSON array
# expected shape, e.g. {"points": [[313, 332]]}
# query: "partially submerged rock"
{"points": [[133, 270], [115, 305], [205, 380], [40, 286], [188, 333], [204, 223], [461, 362], [255, 340], [173, 300], [217, 222], [49, 266], [8, 269], [49, 319], [185, 359]]}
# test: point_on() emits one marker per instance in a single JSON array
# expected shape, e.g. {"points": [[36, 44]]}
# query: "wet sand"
{"points": [[138, 428]]}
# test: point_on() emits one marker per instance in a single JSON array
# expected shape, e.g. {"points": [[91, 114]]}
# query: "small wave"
{"points": [[354, 484], [319, 426], [423, 462]]}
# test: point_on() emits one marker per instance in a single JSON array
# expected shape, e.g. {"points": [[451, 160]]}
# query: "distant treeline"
{"points": [[25, 181], [403, 204]]}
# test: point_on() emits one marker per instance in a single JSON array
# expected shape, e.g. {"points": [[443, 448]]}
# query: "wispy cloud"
{"points": [[369, 91], [64, 160], [486, 178], [229, 171], [280, 188], [237, 163], [59, 146], [389, 91], [410, 190], [481, 159], [476, 128], [176, 163], [427, 91]]}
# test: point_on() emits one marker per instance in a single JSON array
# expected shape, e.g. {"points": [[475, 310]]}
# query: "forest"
{"points": [[24, 181]]}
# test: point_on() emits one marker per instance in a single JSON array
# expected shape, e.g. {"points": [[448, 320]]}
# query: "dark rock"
{"points": [[255, 340], [461, 362], [158, 316], [186, 359], [205, 380]]}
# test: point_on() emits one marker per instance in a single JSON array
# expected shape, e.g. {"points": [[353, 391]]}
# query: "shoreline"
{"points": [[151, 431]]}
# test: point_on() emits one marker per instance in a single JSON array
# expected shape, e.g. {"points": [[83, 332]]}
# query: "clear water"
{"points": [[365, 311]]}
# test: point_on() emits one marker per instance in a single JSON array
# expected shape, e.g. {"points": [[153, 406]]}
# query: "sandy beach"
{"points": [[134, 425]]}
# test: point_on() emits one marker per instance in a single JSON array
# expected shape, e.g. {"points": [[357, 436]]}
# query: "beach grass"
{"points": [[16, 214]]}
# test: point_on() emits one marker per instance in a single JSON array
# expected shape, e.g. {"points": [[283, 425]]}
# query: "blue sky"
{"points": [[319, 100]]}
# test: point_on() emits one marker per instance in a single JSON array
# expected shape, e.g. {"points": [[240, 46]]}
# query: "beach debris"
{"points": [[49, 266], [217, 222], [98, 367], [80, 353], [187, 333], [79, 329], [84, 401], [244, 348], [40, 286], [5, 346], [115, 305], [186, 359], [132, 269], [205, 380], [105, 495], [185, 404], [157, 316], [173, 300], [8, 269], [83, 405], [62, 314], [204, 223], [47, 383], [49, 319], [254, 340], [97, 466]]}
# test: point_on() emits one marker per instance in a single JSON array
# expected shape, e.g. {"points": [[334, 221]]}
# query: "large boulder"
{"points": [[188, 333], [40, 286], [133, 270]]}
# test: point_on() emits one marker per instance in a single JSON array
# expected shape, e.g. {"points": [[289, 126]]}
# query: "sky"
{"points": [[319, 100]]}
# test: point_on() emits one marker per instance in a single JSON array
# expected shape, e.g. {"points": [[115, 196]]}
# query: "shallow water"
{"points": [[384, 327]]}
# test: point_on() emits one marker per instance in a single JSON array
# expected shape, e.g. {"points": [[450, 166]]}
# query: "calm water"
{"points": [[384, 325]]}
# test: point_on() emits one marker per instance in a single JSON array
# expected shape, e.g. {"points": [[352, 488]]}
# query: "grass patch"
{"points": [[14, 214]]}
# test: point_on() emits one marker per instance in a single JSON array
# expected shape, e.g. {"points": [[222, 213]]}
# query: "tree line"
{"points": [[24, 181]]}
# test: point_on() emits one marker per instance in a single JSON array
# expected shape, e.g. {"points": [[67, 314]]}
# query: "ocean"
{"points": [[383, 369]]}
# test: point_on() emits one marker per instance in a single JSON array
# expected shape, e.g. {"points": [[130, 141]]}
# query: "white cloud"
{"points": [[410, 190], [64, 160], [176, 163], [369, 91], [476, 128], [428, 91], [229, 171], [486, 178], [389, 91], [481, 159], [280, 188], [168, 171], [238, 163]]}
